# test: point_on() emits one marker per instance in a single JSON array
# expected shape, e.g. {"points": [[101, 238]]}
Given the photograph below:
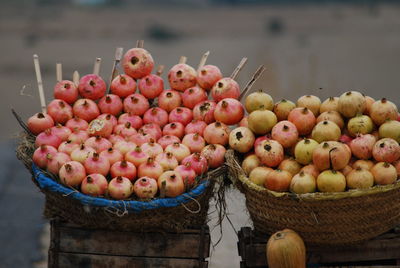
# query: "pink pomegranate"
{"points": [[136, 156], [110, 104], [167, 161], [40, 155], [270, 153], [241, 139], [135, 120], [217, 133], [164, 141], [182, 76], [136, 104], [225, 88], [333, 116], [196, 126], [331, 155], [193, 96], [97, 164], [100, 127], [86, 109], [386, 150], [303, 119], [115, 138], [152, 129], [82, 153], [204, 111], [330, 104], [310, 169], [346, 139], [40, 122], [61, 131], [215, 155], [124, 146], [151, 86], [326, 131], [285, 132], [169, 100], [187, 173], [56, 161], [283, 108], [150, 168], [384, 173], [92, 87], [156, 115], [66, 90], [244, 122], [229, 111], [47, 137], [194, 142], [381, 111], [125, 130], [60, 111], [351, 103], [207, 76], [123, 169], [113, 155], [181, 114], [94, 185], [77, 123], [311, 102], [180, 151], [67, 147], [98, 143], [172, 182], [362, 145], [174, 129], [123, 86], [151, 148], [364, 164], [110, 119], [258, 100], [72, 173], [78, 136], [260, 139], [137, 63], [278, 180], [145, 187], [141, 137], [120, 188], [303, 151]]}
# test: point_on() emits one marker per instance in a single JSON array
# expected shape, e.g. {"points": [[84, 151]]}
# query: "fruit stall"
{"points": [[134, 161]]}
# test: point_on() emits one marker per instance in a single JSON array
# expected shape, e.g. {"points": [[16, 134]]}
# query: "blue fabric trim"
{"points": [[131, 206]]}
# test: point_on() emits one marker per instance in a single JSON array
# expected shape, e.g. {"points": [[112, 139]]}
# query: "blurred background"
{"points": [[321, 47]]}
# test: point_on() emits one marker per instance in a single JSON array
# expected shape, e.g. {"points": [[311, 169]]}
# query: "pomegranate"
{"points": [[173, 183], [135, 120], [361, 124], [123, 86], [98, 143], [136, 104], [182, 76], [360, 179], [72, 173], [40, 122], [167, 140], [77, 123], [368, 103], [136, 156], [115, 138], [125, 146], [262, 121], [326, 131], [278, 180], [113, 155], [283, 108], [258, 100], [141, 137], [152, 129], [145, 187], [196, 126], [56, 161], [61, 131], [180, 151], [216, 133], [330, 181], [330, 104], [100, 127], [193, 96], [81, 153], [78, 136], [313, 103], [249, 163], [244, 122], [386, 150], [390, 129], [60, 111], [204, 111], [397, 166], [174, 129], [67, 147], [187, 173], [207, 76], [303, 151], [167, 161], [241, 139], [333, 116], [109, 119], [194, 142], [285, 132], [137, 63], [270, 153], [225, 88], [169, 100], [125, 130], [258, 175], [40, 155], [310, 169], [346, 170], [120, 188], [303, 119], [86, 109], [381, 111], [150, 168], [151, 86], [47, 137], [346, 139], [303, 183], [123, 169], [290, 165], [362, 146], [384, 173], [229, 111], [151, 148], [331, 155], [351, 103], [182, 115], [156, 116], [197, 162], [364, 164], [92, 87], [66, 90], [94, 185], [215, 155], [110, 104], [97, 164]]}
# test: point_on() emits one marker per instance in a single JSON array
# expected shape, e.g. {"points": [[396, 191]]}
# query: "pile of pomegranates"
{"points": [[139, 138], [346, 142]]}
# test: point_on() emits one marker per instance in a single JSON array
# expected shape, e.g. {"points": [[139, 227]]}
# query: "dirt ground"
{"points": [[322, 50]]}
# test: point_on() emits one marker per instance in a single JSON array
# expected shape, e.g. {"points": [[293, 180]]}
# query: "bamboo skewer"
{"points": [[160, 70], [96, 68], [182, 60], [203, 60], [256, 75], [238, 68], [59, 72], [40, 83], [117, 58], [140, 44], [75, 78]]}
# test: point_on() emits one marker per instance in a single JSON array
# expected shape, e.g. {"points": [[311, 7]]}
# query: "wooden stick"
{"points": [[59, 72], [238, 68], [40, 83], [162, 190], [256, 75], [203, 60], [96, 68], [117, 58], [182, 59], [75, 78], [140, 44], [160, 70]]}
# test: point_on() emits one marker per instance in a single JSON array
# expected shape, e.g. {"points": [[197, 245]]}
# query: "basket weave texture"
{"points": [[320, 218]]}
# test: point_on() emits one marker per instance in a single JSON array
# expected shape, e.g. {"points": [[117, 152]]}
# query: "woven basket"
{"points": [[188, 210], [320, 218]]}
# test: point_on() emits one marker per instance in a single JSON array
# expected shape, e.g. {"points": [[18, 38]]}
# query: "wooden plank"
{"points": [[68, 260]]}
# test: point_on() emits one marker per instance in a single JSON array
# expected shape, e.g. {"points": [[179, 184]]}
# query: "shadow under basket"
{"points": [[320, 218], [189, 210]]}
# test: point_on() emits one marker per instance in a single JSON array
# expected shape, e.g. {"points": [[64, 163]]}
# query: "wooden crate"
{"points": [[73, 246], [382, 251]]}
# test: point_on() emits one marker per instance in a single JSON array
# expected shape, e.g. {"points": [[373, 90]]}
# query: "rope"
{"points": [[188, 209]]}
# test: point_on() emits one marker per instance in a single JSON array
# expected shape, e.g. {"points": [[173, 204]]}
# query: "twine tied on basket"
{"points": [[188, 209], [117, 211]]}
